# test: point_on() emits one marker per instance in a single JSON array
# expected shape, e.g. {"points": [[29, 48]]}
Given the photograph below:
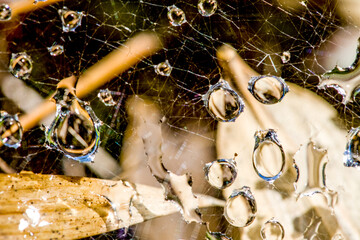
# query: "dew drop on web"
{"points": [[10, 129], [70, 19], [268, 156], [355, 95], [222, 102], [163, 69], [268, 89], [75, 130], [352, 151], [207, 7], [5, 12], [272, 230], [105, 97], [176, 16], [285, 57], [216, 236], [56, 50], [240, 207], [20, 65], [221, 173]]}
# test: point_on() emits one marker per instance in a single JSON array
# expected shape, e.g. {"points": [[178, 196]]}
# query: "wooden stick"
{"points": [[25, 6], [54, 206]]}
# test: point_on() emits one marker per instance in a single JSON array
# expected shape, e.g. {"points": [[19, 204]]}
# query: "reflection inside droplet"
{"points": [[207, 7], [240, 207], [163, 68], [106, 97], [20, 65], [75, 130], [352, 151], [10, 130], [272, 230], [176, 16], [355, 95], [70, 19], [221, 173], [268, 89], [285, 57], [268, 157], [222, 102], [216, 236], [56, 50], [5, 12]]}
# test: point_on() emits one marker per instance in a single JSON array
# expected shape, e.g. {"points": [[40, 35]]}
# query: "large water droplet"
{"points": [[223, 103], [163, 68], [240, 207], [352, 151], [70, 19], [268, 157], [268, 89], [176, 16], [272, 230], [106, 97], [10, 130], [56, 50], [285, 57], [5, 12], [20, 65], [216, 236], [207, 7], [75, 129], [221, 173]]}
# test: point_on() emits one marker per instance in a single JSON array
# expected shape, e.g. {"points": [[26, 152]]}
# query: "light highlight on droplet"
{"points": [[285, 57], [5, 12]]}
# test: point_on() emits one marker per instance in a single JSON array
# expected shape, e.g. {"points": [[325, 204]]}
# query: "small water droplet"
{"points": [[75, 129], [20, 65], [207, 7], [355, 95], [268, 157], [352, 152], [56, 50], [5, 12], [285, 57], [163, 68], [105, 96], [221, 173], [223, 103], [10, 130], [36, 1], [70, 19], [176, 16], [240, 207], [272, 230], [268, 89], [216, 236]]}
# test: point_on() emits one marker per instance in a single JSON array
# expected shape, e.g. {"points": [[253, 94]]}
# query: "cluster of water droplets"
{"points": [[268, 89], [70, 19], [10, 130], [5, 12], [20, 65]]}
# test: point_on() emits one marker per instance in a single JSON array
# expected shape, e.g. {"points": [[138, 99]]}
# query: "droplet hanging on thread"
{"points": [[10, 130], [56, 50], [268, 89], [176, 16], [352, 150], [272, 230], [221, 173], [5, 12], [70, 19], [20, 65], [285, 57], [105, 96], [163, 68], [207, 7]]}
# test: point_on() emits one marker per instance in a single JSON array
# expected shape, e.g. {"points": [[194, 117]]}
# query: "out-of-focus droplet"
{"points": [[10, 130], [36, 1], [240, 207], [268, 157], [338, 236], [176, 16], [216, 236], [268, 89], [70, 19], [163, 68], [285, 57], [105, 96], [56, 50], [207, 7], [355, 95], [221, 173], [5, 12], [272, 230], [222, 102], [352, 151], [20, 65], [75, 129]]}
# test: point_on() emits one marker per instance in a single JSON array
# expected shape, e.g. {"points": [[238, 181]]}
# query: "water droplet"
{"points": [[5, 12], [36, 1], [176, 16], [272, 230], [10, 130], [56, 50], [268, 157], [70, 19], [223, 103], [75, 129], [285, 57], [339, 90], [221, 173], [338, 237], [240, 207], [352, 152], [106, 97], [216, 236], [355, 95], [163, 68], [20, 65], [207, 7], [268, 89]]}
